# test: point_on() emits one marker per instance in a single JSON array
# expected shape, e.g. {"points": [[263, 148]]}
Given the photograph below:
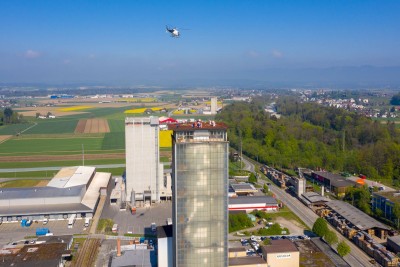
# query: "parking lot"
{"points": [[140, 222], [13, 231]]}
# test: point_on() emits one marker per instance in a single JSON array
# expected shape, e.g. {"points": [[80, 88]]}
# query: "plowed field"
{"points": [[92, 126]]}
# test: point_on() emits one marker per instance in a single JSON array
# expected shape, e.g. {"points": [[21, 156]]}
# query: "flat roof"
{"points": [[36, 255], [43, 209], [336, 180], [243, 187], [92, 194], [245, 261], [252, 200], [205, 125], [314, 197], [280, 246], [237, 249], [38, 192], [164, 231], [395, 239], [358, 218], [55, 239], [138, 257], [72, 176], [393, 196]]}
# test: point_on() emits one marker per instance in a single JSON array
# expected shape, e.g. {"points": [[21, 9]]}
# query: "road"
{"points": [[104, 166], [356, 257]]}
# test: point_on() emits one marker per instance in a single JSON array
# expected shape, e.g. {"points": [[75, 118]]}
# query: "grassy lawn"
{"points": [[35, 164], [19, 183], [287, 214], [13, 128], [34, 174], [46, 145], [105, 225]]}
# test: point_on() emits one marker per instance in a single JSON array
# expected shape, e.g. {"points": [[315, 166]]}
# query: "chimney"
{"points": [[118, 247]]}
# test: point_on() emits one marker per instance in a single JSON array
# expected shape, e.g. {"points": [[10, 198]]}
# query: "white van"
{"points": [[87, 222], [115, 228], [71, 221], [45, 221]]}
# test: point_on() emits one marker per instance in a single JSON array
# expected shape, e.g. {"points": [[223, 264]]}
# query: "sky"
{"points": [[222, 42]]}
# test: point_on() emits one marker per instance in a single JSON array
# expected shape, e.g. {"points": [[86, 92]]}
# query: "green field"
{"points": [[38, 164], [14, 128], [19, 183], [50, 146]]}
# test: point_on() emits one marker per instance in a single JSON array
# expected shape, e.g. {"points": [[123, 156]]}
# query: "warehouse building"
{"points": [[281, 253], [73, 190], [251, 203], [336, 183], [385, 201], [242, 189]]}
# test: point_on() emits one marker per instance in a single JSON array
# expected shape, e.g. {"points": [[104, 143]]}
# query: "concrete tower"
{"points": [[213, 105], [143, 168], [200, 194]]}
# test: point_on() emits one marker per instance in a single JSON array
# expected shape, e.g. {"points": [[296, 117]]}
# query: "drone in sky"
{"points": [[174, 32]]}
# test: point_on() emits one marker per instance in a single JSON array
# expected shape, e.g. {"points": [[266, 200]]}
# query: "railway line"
{"points": [[87, 254]]}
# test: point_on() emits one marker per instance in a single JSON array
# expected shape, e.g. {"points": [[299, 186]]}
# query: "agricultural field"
{"points": [[96, 129]]}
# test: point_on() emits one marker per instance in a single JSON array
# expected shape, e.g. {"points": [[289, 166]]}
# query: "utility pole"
{"points": [[83, 156], [343, 139]]}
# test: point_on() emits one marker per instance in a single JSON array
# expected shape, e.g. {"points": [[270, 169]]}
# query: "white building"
{"points": [[143, 168], [213, 105]]}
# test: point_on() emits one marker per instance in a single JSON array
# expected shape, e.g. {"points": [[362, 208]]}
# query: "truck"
{"points": [[153, 227], [42, 231], [71, 221], [133, 210]]}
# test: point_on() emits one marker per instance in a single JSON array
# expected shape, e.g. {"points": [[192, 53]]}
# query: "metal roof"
{"points": [[246, 261], [252, 200], [280, 246], [313, 197], [72, 176], [43, 209], [243, 187], [92, 194], [38, 192], [336, 180], [138, 257], [358, 218]]}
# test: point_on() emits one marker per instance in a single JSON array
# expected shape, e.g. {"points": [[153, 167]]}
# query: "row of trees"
{"points": [[8, 116], [321, 229], [313, 136]]}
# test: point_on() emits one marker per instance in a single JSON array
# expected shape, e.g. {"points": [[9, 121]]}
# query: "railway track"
{"points": [[87, 254]]}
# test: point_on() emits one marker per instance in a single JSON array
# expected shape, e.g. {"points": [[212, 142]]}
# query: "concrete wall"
{"points": [[287, 259], [165, 255], [142, 157]]}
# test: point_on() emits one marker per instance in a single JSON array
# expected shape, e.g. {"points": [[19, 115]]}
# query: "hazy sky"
{"points": [[126, 42]]}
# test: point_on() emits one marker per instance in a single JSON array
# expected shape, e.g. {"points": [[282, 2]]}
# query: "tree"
{"points": [[396, 214], [252, 178], [330, 237], [343, 249], [265, 187], [320, 227], [395, 100], [8, 112]]}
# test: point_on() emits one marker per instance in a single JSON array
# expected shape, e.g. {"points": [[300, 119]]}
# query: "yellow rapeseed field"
{"points": [[138, 99], [178, 112], [209, 103], [75, 108], [165, 138], [139, 110]]}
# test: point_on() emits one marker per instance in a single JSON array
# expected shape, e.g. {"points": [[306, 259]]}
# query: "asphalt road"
{"points": [[356, 257]]}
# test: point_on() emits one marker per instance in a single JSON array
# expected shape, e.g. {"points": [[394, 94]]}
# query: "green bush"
{"points": [[343, 249], [330, 237], [239, 222], [320, 227], [274, 229]]}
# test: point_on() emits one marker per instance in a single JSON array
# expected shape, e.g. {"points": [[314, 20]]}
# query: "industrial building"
{"points": [[242, 189], [251, 203], [239, 258], [313, 199], [281, 253], [393, 243], [143, 168], [49, 251], [73, 190], [385, 201], [165, 246], [200, 199], [336, 183]]}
